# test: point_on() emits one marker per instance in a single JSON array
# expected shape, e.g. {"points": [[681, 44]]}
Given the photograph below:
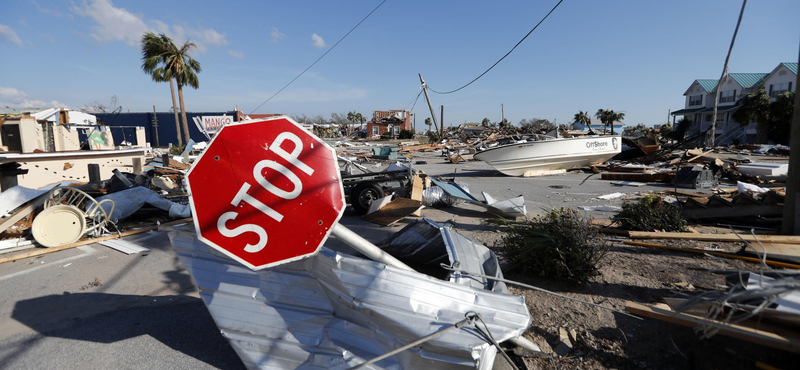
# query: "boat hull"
{"points": [[530, 158]]}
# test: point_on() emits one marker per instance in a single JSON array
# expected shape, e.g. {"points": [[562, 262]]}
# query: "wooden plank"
{"points": [[784, 239], [416, 192], [718, 254], [663, 313], [395, 211], [777, 251], [700, 155], [41, 251]]}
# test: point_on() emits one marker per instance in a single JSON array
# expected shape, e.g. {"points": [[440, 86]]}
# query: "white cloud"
{"points": [[112, 24], [54, 11], [276, 35], [236, 54], [8, 35], [318, 41], [118, 24], [10, 93], [11, 97]]}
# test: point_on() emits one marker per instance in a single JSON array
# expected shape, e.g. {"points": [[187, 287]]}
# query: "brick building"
{"points": [[388, 121]]}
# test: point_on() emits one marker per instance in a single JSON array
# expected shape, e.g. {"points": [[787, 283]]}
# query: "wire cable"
{"points": [[321, 56], [504, 56]]}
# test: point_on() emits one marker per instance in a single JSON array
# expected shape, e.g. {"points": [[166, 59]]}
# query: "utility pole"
{"points": [[502, 114], [433, 115], [710, 139], [441, 136], [791, 212], [155, 127]]}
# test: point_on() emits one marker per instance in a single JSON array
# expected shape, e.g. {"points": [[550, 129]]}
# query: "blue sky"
{"points": [[632, 56]]}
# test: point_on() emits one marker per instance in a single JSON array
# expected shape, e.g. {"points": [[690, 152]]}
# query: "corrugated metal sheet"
{"points": [[791, 66], [334, 311], [708, 84], [748, 79]]}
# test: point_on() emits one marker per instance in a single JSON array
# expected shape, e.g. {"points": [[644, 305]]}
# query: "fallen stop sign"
{"points": [[266, 192]]}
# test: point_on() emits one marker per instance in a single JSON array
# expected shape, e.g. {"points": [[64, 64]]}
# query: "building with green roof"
{"points": [[700, 96]]}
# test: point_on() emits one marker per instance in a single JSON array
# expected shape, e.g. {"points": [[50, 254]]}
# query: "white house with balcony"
{"points": [[699, 103], [781, 79]]}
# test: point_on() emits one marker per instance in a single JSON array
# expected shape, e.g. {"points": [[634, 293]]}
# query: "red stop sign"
{"points": [[266, 192]]}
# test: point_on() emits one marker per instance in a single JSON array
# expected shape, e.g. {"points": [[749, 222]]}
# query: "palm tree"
{"points": [[781, 111], [185, 70], [615, 117], [755, 107], [602, 115], [153, 49], [582, 118]]}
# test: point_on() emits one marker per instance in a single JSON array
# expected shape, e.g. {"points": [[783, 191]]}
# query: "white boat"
{"points": [[545, 154]]}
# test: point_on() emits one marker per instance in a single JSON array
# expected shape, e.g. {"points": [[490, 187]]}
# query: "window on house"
{"points": [[777, 89], [375, 130], [695, 100], [708, 117], [397, 130], [727, 96]]}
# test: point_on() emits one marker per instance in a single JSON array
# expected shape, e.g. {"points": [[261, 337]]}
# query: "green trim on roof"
{"points": [[747, 80], [681, 112], [708, 85], [791, 66]]}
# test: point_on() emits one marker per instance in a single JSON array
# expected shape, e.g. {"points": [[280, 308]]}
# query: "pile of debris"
{"points": [[70, 214]]}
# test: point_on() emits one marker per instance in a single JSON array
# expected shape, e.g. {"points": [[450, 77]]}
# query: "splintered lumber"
{"points": [[9, 221], [397, 210], [717, 254], [41, 251], [785, 341], [417, 188], [783, 239]]}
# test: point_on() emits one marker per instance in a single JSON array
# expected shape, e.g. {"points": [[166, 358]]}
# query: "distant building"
{"points": [[699, 104], [388, 121]]}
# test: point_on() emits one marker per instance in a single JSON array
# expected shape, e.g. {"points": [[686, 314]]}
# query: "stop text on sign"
{"points": [[243, 196]]}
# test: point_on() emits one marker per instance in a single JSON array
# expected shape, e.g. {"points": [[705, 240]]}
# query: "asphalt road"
{"points": [[95, 308]]}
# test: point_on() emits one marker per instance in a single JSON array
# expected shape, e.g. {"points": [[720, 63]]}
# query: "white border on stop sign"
{"points": [[233, 256]]}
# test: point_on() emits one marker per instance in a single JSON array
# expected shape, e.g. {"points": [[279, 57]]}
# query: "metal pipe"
{"points": [[366, 248]]}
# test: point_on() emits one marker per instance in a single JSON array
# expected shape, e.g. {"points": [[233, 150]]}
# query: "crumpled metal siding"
{"points": [[429, 243], [334, 311]]}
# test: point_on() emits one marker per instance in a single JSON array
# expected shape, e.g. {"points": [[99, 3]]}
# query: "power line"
{"points": [[414, 101], [321, 56], [504, 56]]}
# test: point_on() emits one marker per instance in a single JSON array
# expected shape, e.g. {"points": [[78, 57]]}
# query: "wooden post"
{"points": [[791, 218], [165, 158], [433, 115], [137, 166], [155, 127], [441, 116]]}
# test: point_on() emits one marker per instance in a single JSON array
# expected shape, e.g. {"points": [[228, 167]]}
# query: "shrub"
{"points": [[651, 213], [177, 149], [561, 244], [406, 134], [433, 136], [386, 136]]}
